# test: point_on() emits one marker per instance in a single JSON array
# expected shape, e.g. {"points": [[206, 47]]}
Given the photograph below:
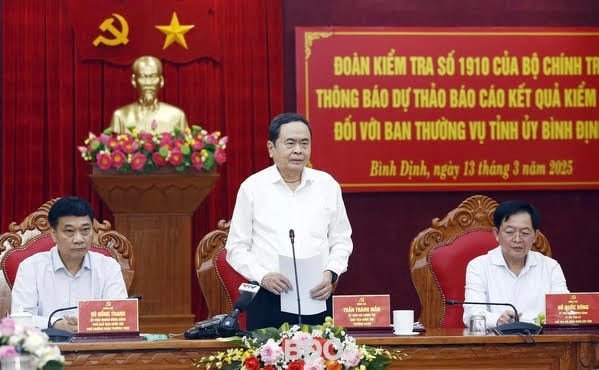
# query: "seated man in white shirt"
{"points": [[512, 273], [69, 272]]}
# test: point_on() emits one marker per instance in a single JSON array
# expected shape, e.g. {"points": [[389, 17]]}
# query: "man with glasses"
{"points": [[512, 273]]}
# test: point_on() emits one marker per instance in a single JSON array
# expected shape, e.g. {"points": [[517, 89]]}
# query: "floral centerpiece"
{"points": [[143, 151], [315, 347], [18, 340]]}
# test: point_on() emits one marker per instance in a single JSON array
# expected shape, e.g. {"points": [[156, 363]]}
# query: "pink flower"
{"points": [[111, 143], [196, 160], [212, 138], [149, 146], [104, 160], [128, 145], [118, 159], [165, 139], [176, 157], [220, 156], [7, 351], [138, 161], [158, 159], [7, 327], [314, 364], [270, 352]]}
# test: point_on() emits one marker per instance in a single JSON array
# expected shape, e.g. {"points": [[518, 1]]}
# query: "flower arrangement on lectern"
{"points": [[306, 347], [144, 151], [18, 340]]}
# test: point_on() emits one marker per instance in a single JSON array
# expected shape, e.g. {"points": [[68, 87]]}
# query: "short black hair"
{"points": [[511, 207], [69, 206], [275, 125]]}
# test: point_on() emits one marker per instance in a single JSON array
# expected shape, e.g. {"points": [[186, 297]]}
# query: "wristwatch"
{"points": [[334, 276]]}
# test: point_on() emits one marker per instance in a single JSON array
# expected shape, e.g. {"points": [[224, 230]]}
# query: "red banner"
{"points": [[398, 109], [117, 31]]}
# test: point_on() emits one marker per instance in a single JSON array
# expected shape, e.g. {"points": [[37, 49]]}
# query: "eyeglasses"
{"points": [[524, 234]]}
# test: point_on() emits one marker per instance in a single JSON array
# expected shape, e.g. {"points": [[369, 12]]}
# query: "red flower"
{"points": [[296, 365], [138, 161], [128, 145], [176, 157], [220, 156], [148, 145], [158, 159], [269, 367], [104, 160], [196, 160], [118, 159], [252, 363]]}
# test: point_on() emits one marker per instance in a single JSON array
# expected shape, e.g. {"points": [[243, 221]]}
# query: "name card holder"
{"points": [[362, 312], [572, 312], [108, 320]]}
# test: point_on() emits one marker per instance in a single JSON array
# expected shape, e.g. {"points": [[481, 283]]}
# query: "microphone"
{"points": [[229, 326], [58, 335], [299, 306], [516, 327]]}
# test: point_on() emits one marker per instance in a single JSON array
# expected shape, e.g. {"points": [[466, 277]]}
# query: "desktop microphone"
{"points": [[516, 327], [229, 326], [299, 306], [58, 335]]}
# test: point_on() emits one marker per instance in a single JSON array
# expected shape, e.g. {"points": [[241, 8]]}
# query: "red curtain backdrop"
{"points": [[51, 100]]}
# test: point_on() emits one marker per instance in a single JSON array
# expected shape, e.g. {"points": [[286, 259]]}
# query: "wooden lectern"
{"points": [[155, 212]]}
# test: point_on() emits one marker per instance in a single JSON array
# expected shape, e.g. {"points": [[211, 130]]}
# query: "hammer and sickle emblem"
{"points": [[120, 36]]}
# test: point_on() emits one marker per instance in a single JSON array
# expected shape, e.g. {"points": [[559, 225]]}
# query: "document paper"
{"points": [[309, 274]]}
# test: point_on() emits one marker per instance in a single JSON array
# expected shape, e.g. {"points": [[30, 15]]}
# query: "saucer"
{"points": [[406, 334]]}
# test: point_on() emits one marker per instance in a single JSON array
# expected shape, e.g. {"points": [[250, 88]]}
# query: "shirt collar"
{"points": [[275, 176], [57, 262], [497, 258]]}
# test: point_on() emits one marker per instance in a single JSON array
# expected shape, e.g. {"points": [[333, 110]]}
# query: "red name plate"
{"points": [[108, 316], [362, 311], [572, 308]]}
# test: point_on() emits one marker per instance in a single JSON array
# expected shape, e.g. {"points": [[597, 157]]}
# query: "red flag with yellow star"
{"points": [[118, 31]]}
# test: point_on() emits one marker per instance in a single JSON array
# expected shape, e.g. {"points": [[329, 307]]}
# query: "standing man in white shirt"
{"points": [[288, 196], [512, 273], [67, 273]]}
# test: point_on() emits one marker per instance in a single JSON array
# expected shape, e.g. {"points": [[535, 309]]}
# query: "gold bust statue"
{"points": [[147, 79]]}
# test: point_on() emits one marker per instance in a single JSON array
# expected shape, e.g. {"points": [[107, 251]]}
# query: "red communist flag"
{"points": [[118, 31]]}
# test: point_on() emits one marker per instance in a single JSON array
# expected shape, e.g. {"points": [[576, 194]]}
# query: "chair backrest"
{"points": [[32, 235], [218, 281], [439, 255]]}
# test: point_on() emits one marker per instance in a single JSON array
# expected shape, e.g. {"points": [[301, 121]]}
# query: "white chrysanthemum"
{"points": [[34, 342], [49, 353]]}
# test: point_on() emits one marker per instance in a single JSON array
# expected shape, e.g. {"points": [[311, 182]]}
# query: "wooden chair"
{"points": [[32, 235], [439, 255], [218, 281]]}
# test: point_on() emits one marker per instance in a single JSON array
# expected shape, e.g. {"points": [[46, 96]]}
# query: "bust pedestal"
{"points": [[155, 212]]}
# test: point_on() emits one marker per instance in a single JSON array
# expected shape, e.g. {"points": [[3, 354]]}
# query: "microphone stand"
{"points": [[58, 335], [299, 307]]}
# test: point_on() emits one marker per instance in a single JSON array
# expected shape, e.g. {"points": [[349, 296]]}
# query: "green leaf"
{"points": [[53, 365]]}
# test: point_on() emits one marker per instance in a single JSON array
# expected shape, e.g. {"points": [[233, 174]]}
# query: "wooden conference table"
{"points": [[434, 349]]}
